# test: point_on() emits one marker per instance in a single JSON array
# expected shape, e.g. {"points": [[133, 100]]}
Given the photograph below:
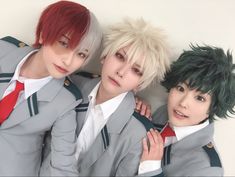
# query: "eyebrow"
{"points": [[123, 52], [135, 64]]}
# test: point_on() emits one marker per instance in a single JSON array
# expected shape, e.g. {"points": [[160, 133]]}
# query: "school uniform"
{"points": [[22, 133], [194, 155], [117, 149]]}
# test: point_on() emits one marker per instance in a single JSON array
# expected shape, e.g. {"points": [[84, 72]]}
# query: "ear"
{"points": [[40, 39], [102, 60]]}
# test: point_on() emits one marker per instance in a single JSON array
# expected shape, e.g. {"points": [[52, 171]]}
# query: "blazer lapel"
{"points": [[115, 124], [19, 114], [95, 151], [30, 107]]}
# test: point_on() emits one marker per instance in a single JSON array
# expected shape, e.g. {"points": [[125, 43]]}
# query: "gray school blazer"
{"points": [[22, 134], [118, 147], [194, 155]]}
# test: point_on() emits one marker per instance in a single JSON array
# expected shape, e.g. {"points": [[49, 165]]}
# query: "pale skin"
{"points": [[182, 102], [143, 107], [118, 75], [56, 60]]}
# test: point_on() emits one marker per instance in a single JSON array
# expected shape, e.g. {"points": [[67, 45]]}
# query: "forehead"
{"points": [[134, 56], [195, 89]]}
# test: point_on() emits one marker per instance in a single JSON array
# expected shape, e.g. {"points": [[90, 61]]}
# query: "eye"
{"points": [[63, 43], [200, 98], [137, 71], [82, 55], [119, 56], [180, 88]]}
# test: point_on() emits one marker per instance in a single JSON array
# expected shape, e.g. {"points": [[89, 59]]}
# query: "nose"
{"points": [[184, 101], [68, 58], [121, 71]]}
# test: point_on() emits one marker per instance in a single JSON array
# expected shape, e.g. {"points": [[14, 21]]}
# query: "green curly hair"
{"points": [[208, 70]]}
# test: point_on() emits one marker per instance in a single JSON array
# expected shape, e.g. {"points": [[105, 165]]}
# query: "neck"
{"points": [[102, 95], [34, 67]]}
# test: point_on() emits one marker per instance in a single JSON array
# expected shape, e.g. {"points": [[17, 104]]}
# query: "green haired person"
{"points": [[201, 86]]}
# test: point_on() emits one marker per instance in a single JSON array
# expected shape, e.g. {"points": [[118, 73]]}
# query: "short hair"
{"points": [[145, 41], [209, 70], [60, 18], [65, 17], [92, 39]]}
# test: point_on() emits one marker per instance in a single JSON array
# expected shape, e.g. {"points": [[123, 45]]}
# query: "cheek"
{"points": [[77, 64]]}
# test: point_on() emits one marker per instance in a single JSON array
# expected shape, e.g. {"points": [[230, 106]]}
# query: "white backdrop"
{"points": [[185, 21]]}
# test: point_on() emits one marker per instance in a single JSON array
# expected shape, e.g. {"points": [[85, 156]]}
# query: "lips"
{"points": [[179, 115], [60, 69], [114, 82]]}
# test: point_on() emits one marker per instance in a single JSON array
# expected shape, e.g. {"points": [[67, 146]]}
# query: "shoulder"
{"points": [[144, 121], [9, 45], [72, 88], [212, 155], [13, 41], [137, 127], [160, 116], [85, 81]]}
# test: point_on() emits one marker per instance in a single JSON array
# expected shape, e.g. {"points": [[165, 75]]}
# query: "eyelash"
{"points": [[120, 56], [63, 43], [199, 97], [180, 88], [82, 55], [137, 71]]}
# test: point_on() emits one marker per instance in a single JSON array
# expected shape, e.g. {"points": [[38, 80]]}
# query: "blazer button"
{"points": [[66, 82], [210, 145], [21, 44]]}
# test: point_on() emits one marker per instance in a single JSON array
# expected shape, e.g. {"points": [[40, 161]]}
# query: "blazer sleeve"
{"points": [[130, 163], [63, 141]]}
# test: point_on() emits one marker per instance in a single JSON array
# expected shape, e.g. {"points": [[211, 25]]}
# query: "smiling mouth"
{"points": [[114, 82], [179, 115], [60, 69]]}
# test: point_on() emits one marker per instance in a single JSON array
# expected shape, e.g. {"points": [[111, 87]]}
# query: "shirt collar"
{"points": [[108, 107], [30, 85], [182, 132]]}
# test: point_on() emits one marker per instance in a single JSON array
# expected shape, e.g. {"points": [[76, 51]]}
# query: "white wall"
{"points": [[185, 21]]}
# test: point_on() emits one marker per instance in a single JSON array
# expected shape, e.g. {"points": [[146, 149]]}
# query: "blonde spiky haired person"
{"points": [[110, 132]]}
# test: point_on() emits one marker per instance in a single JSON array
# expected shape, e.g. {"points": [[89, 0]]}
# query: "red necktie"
{"points": [[8, 102], [167, 131]]}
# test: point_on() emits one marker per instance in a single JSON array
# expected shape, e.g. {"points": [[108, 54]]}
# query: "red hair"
{"points": [[62, 18]]}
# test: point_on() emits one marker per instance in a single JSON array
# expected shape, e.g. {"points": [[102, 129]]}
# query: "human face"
{"points": [[59, 60], [119, 75], [187, 107]]}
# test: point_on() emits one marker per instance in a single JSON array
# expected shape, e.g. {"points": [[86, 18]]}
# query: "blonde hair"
{"points": [[145, 42]]}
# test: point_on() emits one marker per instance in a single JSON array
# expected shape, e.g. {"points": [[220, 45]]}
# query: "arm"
{"points": [[129, 164], [63, 146]]}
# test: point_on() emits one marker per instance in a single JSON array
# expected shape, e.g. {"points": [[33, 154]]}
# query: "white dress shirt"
{"points": [[180, 132], [96, 118], [30, 85]]}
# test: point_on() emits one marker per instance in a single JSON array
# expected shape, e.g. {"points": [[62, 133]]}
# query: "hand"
{"points": [[143, 107], [155, 149]]}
